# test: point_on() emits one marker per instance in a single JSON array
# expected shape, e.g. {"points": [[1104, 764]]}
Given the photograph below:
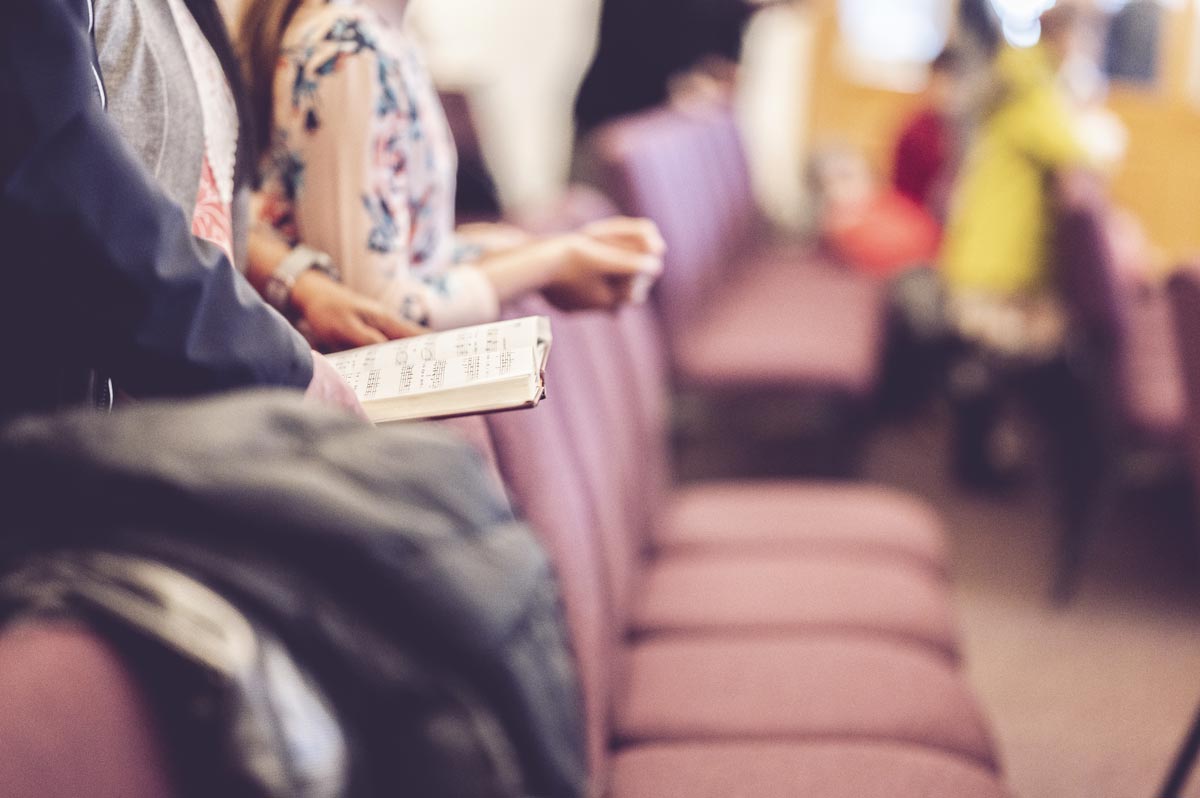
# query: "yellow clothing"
{"points": [[998, 237]]}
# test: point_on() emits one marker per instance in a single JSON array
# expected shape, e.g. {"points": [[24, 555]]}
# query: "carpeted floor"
{"points": [[1089, 701]]}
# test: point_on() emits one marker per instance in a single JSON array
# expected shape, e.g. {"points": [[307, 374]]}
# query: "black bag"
{"points": [[385, 561]]}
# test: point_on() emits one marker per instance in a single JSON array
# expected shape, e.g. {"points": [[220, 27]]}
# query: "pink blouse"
{"points": [[362, 165]]}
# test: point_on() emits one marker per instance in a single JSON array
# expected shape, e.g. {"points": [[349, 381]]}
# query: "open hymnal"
{"points": [[483, 369]]}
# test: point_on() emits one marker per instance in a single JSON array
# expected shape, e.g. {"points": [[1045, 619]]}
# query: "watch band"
{"points": [[278, 291]]}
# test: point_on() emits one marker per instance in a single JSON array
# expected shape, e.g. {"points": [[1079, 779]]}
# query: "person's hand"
{"points": [[636, 235], [337, 318], [328, 388], [596, 275]]}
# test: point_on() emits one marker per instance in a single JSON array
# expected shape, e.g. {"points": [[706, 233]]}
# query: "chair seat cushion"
{"points": [[1150, 372], [73, 720], [705, 689], [797, 770], [788, 324], [809, 517], [755, 594]]}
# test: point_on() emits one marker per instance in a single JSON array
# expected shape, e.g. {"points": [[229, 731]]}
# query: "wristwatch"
{"points": [[278, 292]]}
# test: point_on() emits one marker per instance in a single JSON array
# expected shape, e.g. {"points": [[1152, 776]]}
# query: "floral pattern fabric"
{"points": [[362, 165]]}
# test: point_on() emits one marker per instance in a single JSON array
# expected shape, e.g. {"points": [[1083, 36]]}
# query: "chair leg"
{"points": [[1084, 456], [1184, 762], [1080, 526], [1071, 548]]}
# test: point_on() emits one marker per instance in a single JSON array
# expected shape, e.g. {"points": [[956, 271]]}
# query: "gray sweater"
{"points": [[154, 101]]}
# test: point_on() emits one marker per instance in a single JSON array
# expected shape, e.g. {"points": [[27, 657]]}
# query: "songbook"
{"points": [[481, 369]]}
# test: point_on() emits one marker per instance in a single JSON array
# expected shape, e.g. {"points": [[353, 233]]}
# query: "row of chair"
{"points": [[1129, 351], [780, 638], [767, 638], [765, 332]]}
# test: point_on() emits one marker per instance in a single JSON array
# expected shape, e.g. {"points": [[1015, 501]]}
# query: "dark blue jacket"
{"points": [[97, 268]]}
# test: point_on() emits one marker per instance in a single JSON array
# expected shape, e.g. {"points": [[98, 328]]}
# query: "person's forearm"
{"points": [[265, 252], [530, 268]]}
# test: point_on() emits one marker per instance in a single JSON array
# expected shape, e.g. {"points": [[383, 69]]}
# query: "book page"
{"points": [[441, 361]]}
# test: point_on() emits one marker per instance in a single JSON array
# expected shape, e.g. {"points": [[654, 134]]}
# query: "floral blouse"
{"points": [[362, 165]]}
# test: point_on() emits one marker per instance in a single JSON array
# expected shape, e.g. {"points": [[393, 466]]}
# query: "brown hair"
{"points": [[259, 46]]}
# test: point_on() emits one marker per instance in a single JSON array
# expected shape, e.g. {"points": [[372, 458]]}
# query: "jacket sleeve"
{"points": [[96, 264]]}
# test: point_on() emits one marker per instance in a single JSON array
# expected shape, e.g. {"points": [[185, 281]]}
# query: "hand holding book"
{"points": [[482, 369]]}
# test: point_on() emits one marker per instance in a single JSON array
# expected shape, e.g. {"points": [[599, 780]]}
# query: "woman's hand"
{"points": [[636, 235], [597, 273], [338, 318], [600, 267], [328, 388]]}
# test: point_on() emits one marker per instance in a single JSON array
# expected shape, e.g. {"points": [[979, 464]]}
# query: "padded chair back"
{"points": [[685, 171], [537, 459], [1185, 303], [728, 151], [588, 469], [1088, 269], [593, 438], [626, 360]]}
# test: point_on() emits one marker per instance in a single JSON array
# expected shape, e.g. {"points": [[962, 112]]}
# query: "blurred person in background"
{"points": [[926, 150], [866, 224], [93, 245], [999, 275], [648, 47], [1105, 140], [359, 162]]}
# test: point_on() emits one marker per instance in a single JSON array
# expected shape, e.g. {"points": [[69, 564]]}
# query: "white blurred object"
{"points": [[520, 63], [774, 90], [895, 30], [1104, 137], [890, 43]]}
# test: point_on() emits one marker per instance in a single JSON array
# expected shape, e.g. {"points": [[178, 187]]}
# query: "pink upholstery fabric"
{"points": [[634, 441], [654, 165], [593, 430], [72, 722], [548, 488], [1184, 290], [1118, 313], [798, 689], [767, 594], [804, 770], [1150, 371], [769, 517], [646, 386], [789, 325]]}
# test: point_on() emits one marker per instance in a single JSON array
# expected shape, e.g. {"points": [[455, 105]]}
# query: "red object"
{"points": [[890, 235], [921, 157]]}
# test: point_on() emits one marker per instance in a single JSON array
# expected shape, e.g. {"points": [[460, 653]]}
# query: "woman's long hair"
{"points": [[260, 42], [212, 25]]}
